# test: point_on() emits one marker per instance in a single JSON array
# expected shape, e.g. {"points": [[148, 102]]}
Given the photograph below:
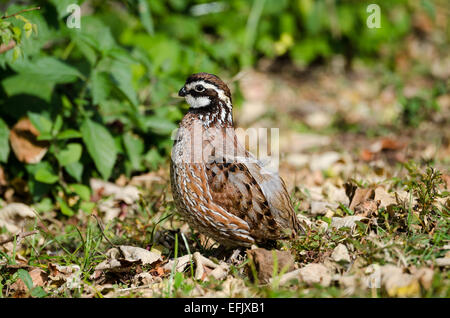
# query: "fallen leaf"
{"points": [[128, 194], [145, 278], [122, 258], [361, 195], [315, 274], [397, 283], [323, 161], [24, 143], [367, 208], [14, 215], [65, 276], [340, 254], [443, 261], [347, 221], [204, 267], [38, 277], [133, 254], [384, 198]]}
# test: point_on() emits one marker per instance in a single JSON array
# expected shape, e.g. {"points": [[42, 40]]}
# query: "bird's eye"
{"points": [[199, 88]]}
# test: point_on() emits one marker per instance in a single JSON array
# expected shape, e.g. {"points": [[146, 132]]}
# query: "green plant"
{"points": [[11, 35], [101, 96]]}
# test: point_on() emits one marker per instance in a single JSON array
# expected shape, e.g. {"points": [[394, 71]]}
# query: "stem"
{"points": [[21, 11]]}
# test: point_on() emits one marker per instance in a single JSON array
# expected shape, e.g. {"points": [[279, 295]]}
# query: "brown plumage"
{"points": [[219, 187]]}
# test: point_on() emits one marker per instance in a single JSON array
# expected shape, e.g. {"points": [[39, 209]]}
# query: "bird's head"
{"points": [[204, 89]]}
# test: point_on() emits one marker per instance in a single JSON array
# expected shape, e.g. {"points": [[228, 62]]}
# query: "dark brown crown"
{"points": [[212, 79]]}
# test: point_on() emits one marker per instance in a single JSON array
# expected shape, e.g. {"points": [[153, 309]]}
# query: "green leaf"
{"points": [[65, 209], [4, 143], [26, 278], [75, 170], [122, 74], [28, 29], [134, 146], [87, 206], [159, 125], [48, 68], [68, 134], [57, 125], [101, 87], [100, 145], [146, 18], [45, 175], [17, 52], [61, 6], [83, 191], [38, 292], [40, 122], [72, 153]]}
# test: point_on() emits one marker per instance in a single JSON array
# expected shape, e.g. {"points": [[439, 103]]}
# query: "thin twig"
{"points": [[19, 236], [9, 46], [21, 11]]}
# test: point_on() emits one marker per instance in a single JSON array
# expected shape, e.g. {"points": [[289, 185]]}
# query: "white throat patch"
{"points": [[197, 102]]}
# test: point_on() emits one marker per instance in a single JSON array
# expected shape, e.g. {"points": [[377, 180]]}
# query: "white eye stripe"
{"points": [[206, 85]]}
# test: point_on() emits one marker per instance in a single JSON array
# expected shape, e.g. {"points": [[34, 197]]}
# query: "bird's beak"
{"points": [[182, 92]]}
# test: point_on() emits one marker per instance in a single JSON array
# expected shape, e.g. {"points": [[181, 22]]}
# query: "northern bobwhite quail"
{"points": [[219, 187]]}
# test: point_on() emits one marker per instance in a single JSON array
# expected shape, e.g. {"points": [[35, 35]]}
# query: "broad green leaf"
{"points": [[36, 85], [146, 17], [159, 125], [83, 191], [100, 145], [87, 206], [65, 209], [61, 6], [48, 68], [68, 134], [45, 175], [72, 153], [124, 80], [101, 87], [135, 147], [75, 170], [44, 205], [38, 292], [26, 278], [4, 143], [57, 125], [40, 122], [153, 159]]}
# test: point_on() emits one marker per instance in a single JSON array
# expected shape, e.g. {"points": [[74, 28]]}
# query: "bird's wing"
{"points": [[259, 199]]}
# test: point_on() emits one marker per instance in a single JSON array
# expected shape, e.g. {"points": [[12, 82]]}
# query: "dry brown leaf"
{"points": [[67, 276], [3, 181], [122, 258], [315, 274], [347, 221], [24, 143], [38, 276], [384, 198], [340, 254], [361, 195], [397, 283], [14, 215], [128, 194], [443, 261], [133, 254], [367, 208]]}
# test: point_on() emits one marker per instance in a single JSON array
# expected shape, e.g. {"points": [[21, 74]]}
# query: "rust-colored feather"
{"points": [[229, 197]]}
